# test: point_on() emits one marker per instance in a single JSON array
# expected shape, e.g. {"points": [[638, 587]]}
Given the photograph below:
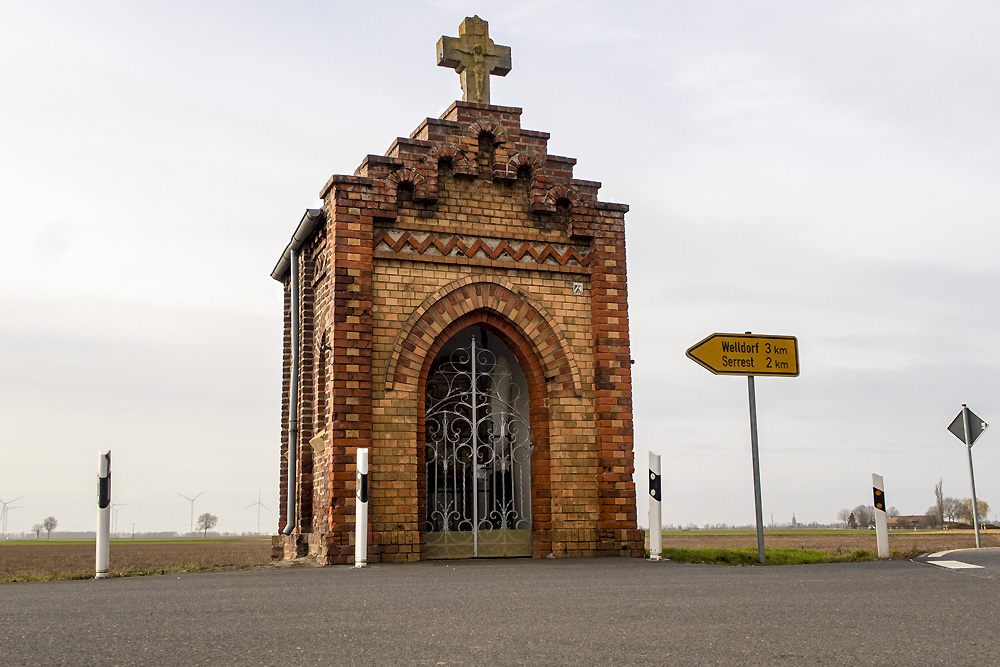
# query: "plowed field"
{"points": [[77, 560]]}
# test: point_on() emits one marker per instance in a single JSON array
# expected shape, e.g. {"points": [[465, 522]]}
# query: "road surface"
{"points": [[513, 612]]}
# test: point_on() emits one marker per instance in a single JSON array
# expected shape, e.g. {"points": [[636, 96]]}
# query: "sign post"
{"points": [[103, 515], [655, 520], [757, 502], [750, 355], [881, 526], [967, 427]]}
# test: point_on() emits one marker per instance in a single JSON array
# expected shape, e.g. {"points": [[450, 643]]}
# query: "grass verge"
{"points": [[775, 556]]}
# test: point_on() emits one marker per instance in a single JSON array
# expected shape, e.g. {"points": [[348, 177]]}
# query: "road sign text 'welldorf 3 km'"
{"points": [[747, 354]]}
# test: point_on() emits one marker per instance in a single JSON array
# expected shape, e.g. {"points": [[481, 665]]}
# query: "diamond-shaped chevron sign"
{"points": [[976, 426]]}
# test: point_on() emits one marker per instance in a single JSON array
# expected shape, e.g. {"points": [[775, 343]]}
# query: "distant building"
{"points": [[910, 521]]}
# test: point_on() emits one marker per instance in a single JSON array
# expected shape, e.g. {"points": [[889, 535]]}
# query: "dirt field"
{"points": [[905, 542], [77, 560]]}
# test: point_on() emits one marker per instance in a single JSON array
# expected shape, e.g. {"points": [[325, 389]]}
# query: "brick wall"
{"points": [[467, 221]]}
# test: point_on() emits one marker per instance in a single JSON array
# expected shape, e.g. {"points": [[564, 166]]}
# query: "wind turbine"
{"points": [[192, 508], [115, 508], [3, 514], [6, 513], [259, 505]]}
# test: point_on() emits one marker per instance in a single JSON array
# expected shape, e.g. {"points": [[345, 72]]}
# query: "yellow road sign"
{"points": [[747, 354]]}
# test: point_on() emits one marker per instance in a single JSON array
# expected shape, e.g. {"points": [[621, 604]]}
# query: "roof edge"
{"points": [[312, 218]]}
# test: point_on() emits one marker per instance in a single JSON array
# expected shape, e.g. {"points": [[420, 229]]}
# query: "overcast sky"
{"points": [[822, 170]]}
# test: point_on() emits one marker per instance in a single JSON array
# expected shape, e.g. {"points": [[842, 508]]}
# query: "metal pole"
{"points": [[361, 510], [103, 515], [655, 522], [972, 476], [756, 470]]}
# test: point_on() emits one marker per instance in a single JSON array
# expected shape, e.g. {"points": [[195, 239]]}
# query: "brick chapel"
{"points": [[458, 306]]}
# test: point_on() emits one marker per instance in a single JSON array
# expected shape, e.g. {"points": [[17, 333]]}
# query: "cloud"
{"points": [[824, 171]]}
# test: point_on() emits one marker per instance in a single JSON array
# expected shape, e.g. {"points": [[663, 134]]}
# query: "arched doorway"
{"points": [[478, 445]]}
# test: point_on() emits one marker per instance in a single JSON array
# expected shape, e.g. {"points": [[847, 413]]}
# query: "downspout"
{"points": [[289, 261], [293, 395]]}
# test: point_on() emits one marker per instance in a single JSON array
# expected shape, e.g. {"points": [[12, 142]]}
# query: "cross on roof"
{"points": [[475, 57]]}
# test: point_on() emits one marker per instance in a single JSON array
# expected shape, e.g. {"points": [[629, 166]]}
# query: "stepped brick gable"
{"points": [[466, 230]]}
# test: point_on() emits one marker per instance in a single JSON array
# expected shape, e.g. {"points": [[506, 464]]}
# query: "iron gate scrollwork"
{"points": [[478, 456]]}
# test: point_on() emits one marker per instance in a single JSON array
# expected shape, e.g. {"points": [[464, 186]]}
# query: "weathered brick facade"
{"points": [[467, 222]]}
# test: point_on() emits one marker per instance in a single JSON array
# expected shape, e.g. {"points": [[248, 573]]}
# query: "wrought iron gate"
{"points": [[478, 452]]}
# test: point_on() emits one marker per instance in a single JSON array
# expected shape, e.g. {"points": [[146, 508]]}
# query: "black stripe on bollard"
{"points": [[103, 491], [654, 485], [363, 489]]}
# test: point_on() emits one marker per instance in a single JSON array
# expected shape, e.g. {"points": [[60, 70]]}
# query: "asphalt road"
{"points": [[983, 563], [512, 612]]}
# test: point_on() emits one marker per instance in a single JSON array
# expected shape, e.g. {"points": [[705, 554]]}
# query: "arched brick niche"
{"points": [[538, 396]]}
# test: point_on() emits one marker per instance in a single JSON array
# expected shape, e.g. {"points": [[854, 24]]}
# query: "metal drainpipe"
{"points": [[293, 397]]}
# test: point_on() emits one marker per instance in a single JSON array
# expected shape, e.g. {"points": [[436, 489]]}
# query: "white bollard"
{"points": [[361, 510], [881, 529], [655, 522], [103, 515]]}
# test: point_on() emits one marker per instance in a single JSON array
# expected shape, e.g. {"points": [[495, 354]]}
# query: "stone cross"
{"points": [[475, 57]]}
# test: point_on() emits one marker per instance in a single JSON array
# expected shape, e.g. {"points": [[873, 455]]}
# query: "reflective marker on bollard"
{"points": [[655, 522], [103, 514], [361, 511]]}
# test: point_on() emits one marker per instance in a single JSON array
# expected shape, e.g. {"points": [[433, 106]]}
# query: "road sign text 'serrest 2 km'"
{"points": [[747, 354]]}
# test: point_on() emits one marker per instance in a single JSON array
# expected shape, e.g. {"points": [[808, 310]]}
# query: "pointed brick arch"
{"points": [[533, 367], [512, 306]]}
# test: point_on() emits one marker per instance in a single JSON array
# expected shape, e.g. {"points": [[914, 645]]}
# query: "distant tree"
{"points": [[952, 507], [852, 522], [206, 522], [37, 529], [891, 512], [965, 510], [864, 515], [931, 517], [843, 515], [939, 503], [49, 525]]}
